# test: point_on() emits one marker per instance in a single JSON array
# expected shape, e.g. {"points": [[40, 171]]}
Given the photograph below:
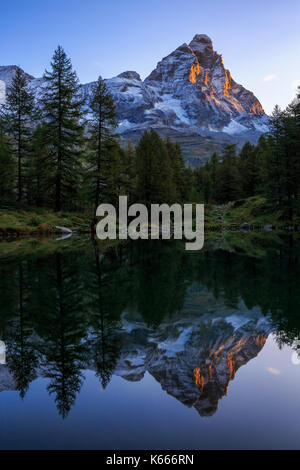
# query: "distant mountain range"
{"points": [[190, 96]]}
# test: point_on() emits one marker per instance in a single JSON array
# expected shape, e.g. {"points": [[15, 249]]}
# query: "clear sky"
{"points": [[259, 39]]}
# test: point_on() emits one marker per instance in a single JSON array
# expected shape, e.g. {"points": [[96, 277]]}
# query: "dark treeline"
{"points": [[62, 312], [270, 169], [59, 149]]}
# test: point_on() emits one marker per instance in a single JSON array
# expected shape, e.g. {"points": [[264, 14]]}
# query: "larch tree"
{"points": [[20, 117], [7, 166], [128, 172], [40, 170], [178, 166], [155, 176], [228, 176], [62, 110], [102, 122]]}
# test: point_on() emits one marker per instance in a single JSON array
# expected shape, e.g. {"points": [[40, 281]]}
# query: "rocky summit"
{"points": [[189, 89], [190, 95]]}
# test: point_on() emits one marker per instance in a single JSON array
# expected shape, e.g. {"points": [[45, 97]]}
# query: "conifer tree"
{"points": [[111, 173], [128, 172], [192, 185], [104, 341], [292, 160], [40, 171], [62, 324], [7, 167], [275, 169], [22, 361], [178, 166], [62, 111], [207, 183], [228, 176], [20, 114], [282, 163], [214, 165], [262, 150], [155, 182], [101, 125], [249, 170]]}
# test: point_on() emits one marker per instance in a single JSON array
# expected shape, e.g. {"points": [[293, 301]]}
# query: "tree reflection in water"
{"points": [[80, 308]]}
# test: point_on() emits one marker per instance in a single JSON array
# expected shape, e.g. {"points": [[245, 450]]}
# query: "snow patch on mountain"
{"points": [[234, 128], [170, 106]]}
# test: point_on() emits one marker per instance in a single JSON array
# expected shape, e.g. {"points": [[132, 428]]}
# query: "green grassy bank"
{"points": [[32, 221], [37, 221]]}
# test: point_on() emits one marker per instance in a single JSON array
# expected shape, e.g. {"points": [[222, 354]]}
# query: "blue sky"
{"points": [[259, 39]]}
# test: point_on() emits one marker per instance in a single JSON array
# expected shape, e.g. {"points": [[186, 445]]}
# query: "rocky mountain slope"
{"points": [[190, 95]]}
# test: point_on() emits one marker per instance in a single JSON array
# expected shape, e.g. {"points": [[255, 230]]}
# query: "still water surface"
{"points": [[148, 346]]}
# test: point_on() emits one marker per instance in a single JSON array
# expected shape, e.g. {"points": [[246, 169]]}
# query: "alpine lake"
{"points": [[144, 345]]}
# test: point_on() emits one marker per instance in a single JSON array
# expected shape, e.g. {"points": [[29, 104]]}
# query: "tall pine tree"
{"points": [[228, 177], [178, 166], [20, 114], [40, 170], [7, 167], [101, 125], [62, 111], [155, 177]]}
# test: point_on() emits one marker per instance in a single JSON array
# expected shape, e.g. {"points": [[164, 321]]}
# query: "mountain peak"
{"points": [[130, 75], [201, 42], [202, 38], [190, 90]]}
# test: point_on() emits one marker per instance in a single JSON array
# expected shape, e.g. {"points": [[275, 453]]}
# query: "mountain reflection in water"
{"points": [[191, 320]]}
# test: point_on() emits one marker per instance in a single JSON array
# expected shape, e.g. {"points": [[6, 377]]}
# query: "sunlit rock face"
{"points": [[190, 90], [209, 98]]}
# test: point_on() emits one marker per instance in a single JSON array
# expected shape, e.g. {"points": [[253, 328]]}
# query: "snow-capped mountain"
{"points": [[189, 89], [190, 93]]}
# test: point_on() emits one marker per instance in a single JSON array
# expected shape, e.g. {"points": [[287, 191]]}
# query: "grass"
{"points": [[257, 212], [29, 221], [38, 221], [254, 211]]}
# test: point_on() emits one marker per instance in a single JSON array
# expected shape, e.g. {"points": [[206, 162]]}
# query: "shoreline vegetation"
{"points": [[34, 221], [247, 214]]}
